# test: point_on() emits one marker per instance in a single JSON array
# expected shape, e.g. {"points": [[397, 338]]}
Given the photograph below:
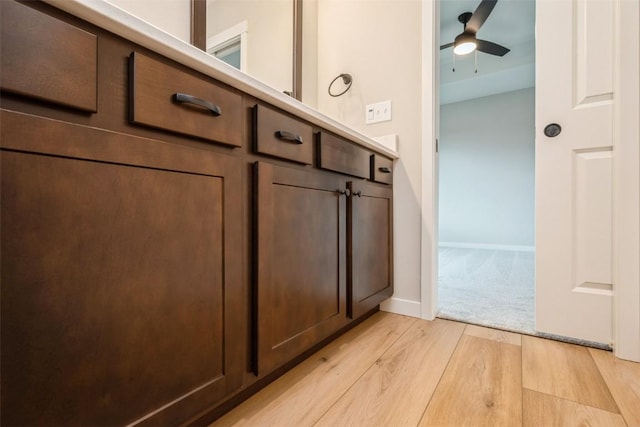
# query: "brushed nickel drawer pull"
{"points": [[183, 98], [384, 169], [288, 136]]}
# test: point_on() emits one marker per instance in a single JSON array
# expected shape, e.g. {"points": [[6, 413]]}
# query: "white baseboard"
{"points": [[401, 306], [487, 246]]}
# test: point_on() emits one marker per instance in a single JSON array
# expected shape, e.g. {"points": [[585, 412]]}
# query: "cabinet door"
{"points": [[121, 277], [369, 246], [300, 277]]}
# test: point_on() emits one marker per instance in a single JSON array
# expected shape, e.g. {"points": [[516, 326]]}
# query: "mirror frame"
{"points": [[199, 38]]}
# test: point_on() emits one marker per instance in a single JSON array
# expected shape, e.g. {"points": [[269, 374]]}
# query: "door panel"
{"points": [[574, 88], [304, 281], [300, 278], [121, 283], [593, 50], [593, 219], [369, 246]]}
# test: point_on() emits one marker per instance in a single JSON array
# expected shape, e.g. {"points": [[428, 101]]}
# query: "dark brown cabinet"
{"points": [[381, 169], [47, 58], [322, 254], [370, 225], [338, 155], [167, 246], [369, 221], [278, 135], [121, 276], [164, 97], [300, 261]]}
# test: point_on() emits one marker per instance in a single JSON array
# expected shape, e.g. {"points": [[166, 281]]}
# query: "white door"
{"points": [[574, 88]]}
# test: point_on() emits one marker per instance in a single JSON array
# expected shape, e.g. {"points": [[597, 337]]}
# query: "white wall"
{"points": [[269, 36], [487, 170], [379, 44], [172, 16]]}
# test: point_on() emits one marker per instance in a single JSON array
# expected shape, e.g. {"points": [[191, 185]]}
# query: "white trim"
{"points": [[429, 179], [626, 183], [402, 306], [239, 30], [489, 246], [226, 35]]}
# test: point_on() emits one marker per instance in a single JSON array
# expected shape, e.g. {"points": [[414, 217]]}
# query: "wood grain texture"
{"points": [[369, 246], [199, 24], [564, 370], [398, 386], [339, 155], [300, 287], [481, 386], [379, 167], [152, 86], [116, 251], [493, 334], [539, 409], [623, 380], [266, 122], [45, 58], [302, 395]]}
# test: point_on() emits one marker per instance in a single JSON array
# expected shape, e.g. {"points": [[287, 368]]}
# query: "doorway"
{"points": [[625, 318], [486, 202]]}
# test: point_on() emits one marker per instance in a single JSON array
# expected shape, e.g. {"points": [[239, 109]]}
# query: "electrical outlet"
{"points": [[379, 112]]}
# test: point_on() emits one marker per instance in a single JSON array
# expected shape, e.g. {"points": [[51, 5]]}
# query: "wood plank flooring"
{"points": [[394, 370]]}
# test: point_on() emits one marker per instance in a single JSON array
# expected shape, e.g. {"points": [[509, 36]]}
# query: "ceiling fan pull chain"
{"points": [[476, 61], [454, 61]]}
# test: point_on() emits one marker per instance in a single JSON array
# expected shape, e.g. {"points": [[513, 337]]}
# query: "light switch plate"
{"points": [[379, 112]]}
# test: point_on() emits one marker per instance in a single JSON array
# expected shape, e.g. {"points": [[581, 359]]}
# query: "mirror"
{"points": [[262, 38]]}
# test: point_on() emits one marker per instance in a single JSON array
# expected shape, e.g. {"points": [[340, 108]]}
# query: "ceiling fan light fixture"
{"points": [[464, 44]]}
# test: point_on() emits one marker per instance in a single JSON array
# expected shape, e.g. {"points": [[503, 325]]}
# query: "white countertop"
{"points": [[122, 23]]}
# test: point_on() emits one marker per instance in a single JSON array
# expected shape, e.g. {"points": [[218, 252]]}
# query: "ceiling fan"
{"points": [[466, 42]]}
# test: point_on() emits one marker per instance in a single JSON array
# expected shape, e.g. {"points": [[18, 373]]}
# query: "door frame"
{"points": [[430, 99], [626, 183], [626, 174]]}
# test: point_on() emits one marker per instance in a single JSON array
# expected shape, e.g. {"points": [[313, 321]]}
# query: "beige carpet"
{"points": [[487, 287]]}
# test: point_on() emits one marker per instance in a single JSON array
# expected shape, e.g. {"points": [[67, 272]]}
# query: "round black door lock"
{"points": [[552, 130]]}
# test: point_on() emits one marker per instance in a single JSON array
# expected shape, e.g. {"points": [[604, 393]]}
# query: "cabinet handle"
{"points": [[357, 193], [384, 169], [288, 136], [346, 192], [183, 98]]}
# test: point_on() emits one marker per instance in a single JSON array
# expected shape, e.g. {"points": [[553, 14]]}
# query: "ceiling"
{"points": [[511, 24]]}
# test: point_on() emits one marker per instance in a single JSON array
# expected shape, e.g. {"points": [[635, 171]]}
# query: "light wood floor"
{"points": [[394, 370]]}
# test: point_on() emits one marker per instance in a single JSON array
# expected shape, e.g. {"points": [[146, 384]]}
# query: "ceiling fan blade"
{"points": [[480, 15], [444, 46], [491, 48]]}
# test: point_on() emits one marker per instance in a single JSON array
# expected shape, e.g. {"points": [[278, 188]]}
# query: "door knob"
{"points": [[357, 193], [552, 130], [346, 192]]}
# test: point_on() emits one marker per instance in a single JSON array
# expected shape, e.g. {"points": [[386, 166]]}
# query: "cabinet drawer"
{"points": [[339, 155], [47, 59], [281, 136], [381, 169], [163, 97]]}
